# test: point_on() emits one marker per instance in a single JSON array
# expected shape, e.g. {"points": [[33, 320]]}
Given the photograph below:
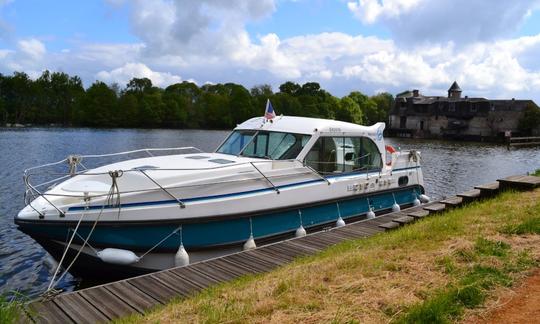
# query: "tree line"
{"points": [[60, 99]]}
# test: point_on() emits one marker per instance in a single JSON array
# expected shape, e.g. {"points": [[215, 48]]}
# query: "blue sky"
{"points": [[489, 46]]}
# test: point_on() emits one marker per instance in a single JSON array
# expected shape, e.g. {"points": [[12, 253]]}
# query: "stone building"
{"points": [[454, 116]]}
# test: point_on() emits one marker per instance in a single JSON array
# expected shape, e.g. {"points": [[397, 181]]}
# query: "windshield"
{"points": [[264, 144]]}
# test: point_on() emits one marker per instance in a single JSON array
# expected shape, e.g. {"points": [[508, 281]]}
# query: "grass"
{"points": [[536, 173], [439, 269], [10, 309]]}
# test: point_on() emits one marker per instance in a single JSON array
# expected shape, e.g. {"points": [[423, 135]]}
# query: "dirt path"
{"points": [[521, 306]]}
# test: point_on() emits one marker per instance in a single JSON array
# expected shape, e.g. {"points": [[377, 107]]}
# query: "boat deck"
{"points": [[138, 295]]}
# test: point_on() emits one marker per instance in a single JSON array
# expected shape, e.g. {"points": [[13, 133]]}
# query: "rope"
{"points": [[114, 186], [73, 160], [163, 240], [67, 248]]}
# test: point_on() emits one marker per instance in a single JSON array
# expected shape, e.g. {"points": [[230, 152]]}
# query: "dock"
{"points": [[139, 294], [523, 141]]}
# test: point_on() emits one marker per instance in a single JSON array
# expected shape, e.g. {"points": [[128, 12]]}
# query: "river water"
{"points": [[449, 168]]}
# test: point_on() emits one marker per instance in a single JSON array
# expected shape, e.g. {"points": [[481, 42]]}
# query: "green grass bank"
{"points": [[440, 269]]}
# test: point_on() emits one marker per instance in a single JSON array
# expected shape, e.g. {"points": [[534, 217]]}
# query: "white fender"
{"points": [[395, 208], [250, 243], [300, 231], [118, 256], [181, 258]]}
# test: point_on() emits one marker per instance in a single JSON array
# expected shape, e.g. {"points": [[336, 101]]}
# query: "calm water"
{"points": [[448, 168]]}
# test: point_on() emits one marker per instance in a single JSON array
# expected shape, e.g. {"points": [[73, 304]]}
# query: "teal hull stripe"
{"points": [[234, 194], [227, 231]]}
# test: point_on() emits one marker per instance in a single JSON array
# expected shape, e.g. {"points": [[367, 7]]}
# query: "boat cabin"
{"points": [[326, 146]]}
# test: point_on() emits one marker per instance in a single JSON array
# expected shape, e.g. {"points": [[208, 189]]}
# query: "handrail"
{"points": [[269, 181], [36, 193], [147, 150], [182, 205]]}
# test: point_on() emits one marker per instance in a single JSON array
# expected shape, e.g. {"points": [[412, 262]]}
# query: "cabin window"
{"points": [[344, 154], [236, 141], [264, 144]]}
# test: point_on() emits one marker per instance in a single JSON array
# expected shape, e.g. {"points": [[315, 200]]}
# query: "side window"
{"points": [[369, 157], [343, 154]]}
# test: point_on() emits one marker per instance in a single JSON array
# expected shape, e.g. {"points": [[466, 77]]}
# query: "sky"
{"points": [[491, 47]]}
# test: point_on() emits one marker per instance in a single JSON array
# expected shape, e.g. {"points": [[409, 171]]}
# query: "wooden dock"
{"points": [[137, 295], [523, 141]]}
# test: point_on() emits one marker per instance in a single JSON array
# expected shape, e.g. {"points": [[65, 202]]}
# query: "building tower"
{"points": [[454, 91]]}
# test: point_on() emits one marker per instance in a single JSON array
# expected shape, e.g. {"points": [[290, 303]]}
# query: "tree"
{"points": [[530, 119], [367, 106], [290, 88], [98, 106], [139, 85], [384, 102], [349, 111]]}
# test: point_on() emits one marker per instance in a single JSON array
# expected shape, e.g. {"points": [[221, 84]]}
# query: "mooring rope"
{"points": [[114, 187]]}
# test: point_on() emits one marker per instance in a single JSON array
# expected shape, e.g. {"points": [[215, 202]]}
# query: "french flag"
{"points": [[269, 113]]}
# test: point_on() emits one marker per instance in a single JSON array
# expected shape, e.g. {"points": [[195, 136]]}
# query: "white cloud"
{"points": [[32, 48], [129, 71], [369, 11], [460, 21]]}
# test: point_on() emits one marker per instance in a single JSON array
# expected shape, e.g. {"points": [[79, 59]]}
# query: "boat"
{"points": [[269, 180]]}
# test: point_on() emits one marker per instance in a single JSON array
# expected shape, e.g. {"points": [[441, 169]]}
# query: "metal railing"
{"points": [[33, 191]]}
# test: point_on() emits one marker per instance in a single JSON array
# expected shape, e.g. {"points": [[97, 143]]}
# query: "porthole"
{"points": [[403, 181]]}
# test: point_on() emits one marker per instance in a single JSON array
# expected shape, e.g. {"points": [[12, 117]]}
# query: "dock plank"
{"points": [[48, 312], [354, 233], [110, 305], [132, 296], [227, 266], [202, 281], [520, 182], [389, 225], [79, 309], [419, 213], [180, 285], [153, 288], [286, 258], [470, 195], [211, 272], [435, 208], [489, 187], [454, 201], [404, 220], [288, 248]]}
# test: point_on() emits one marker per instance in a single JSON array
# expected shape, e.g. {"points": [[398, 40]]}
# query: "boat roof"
{"points": [[306, 125]]}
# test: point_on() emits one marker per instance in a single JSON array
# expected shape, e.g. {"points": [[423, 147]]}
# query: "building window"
{"points": [[474, 108], [403, 122], [421, 125], [451, 106]]}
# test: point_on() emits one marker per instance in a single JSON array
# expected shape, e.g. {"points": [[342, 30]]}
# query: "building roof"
{"points": [[454, 87]]}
